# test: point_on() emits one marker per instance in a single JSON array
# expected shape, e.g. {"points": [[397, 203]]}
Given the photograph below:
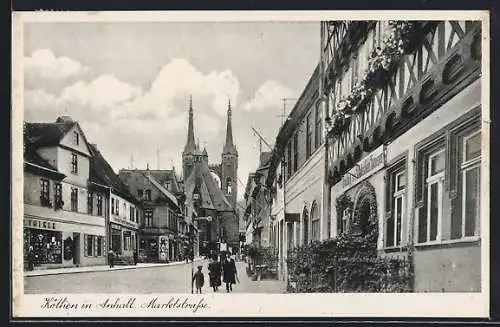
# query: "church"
{"points": [[211, 191]]}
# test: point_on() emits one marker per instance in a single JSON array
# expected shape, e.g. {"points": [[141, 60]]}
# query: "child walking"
{"points": [[198, 279]]}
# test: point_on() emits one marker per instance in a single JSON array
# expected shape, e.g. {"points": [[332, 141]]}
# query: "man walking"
{"points": [[230, 273]]}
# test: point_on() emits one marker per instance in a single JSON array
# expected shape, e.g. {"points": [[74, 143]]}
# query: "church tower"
{"points": [[188, 155], [229, 164]]}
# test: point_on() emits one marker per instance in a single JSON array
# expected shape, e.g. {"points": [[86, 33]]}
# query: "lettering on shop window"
{"points": [[369, 165]]}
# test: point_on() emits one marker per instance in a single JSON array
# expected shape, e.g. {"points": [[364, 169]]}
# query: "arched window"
{"points": [[305, 228], [229, 186], [315, 223]]}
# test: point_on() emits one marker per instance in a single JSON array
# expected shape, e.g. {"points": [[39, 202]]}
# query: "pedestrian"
{"points": [[31, 258], [198, 280], [229, 271], [135, 257], [215, 270], [111, 258]]}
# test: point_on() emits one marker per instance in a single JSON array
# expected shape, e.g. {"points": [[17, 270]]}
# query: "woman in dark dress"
{"points": [[229, 271], [214, 272]]}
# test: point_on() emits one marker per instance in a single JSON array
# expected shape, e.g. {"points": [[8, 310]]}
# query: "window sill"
{"points": [[472, 240], [390, 249]]}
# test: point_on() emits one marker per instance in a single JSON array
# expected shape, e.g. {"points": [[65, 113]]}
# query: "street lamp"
{"points": [[209, 219]]}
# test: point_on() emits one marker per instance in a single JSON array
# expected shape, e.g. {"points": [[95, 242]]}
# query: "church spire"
{"points": [[190, 145], [229, 146]]}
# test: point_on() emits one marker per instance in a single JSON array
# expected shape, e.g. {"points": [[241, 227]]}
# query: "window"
{"points": [[148, 195], [308, 136], [131, 213], [99, 204], [89, 249], [148, 218], [229, 186], [90, 203], [74, 163], [315, 224], [113, 206], [346, 217], [430, 224], [99, 246], [318, 130], [289, 160], [74, 199], [125, 209], [58, 202], [305, 227], [133, 242], [396, 215], [76, 138], [45, 192], [471, 177], [140, 194], [117, 207], [295, 151], [126, 241]]}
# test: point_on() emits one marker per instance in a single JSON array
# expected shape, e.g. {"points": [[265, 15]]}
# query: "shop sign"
{"points": [[115, 226], [42, 224], [365, 168]]}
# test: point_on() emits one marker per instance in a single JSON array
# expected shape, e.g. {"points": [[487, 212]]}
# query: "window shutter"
{"points": [[95, 246], [85, 245]]}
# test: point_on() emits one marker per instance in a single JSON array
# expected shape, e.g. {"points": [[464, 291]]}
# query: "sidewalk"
{"points": [[75, 270], [247, 285]]}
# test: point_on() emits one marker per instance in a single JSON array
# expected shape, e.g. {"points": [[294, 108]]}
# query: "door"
{"points": [[76, 249]]}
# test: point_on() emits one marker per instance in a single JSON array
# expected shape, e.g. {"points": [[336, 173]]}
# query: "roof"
{"points": [[201, 179], [102, 173], [161, 176], [32, 157], [46, 134], [163, 190]]}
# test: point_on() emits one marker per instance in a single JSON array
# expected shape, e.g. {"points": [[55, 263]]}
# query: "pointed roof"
{"points": [[163, 190], [229, 146], [46, 134], [190, 145], [202, 181], [205, 153]]}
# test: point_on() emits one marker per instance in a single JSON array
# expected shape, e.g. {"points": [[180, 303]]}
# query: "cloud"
{"points": [[45, 65], [268, 95]]}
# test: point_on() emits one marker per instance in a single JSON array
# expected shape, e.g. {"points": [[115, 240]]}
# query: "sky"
{"points": [[128, 84]]}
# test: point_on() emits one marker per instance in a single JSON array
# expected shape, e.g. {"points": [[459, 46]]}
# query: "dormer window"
{"points": [[76, 138]]}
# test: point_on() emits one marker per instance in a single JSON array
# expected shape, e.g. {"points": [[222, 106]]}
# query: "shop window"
{"points": [[89, 245], [74, 199], [148, 218], [148, 195], [430, 219], [99, 204], [308, 136], [90, 203], [58, 202], [74, 163], [396, 205], [126, 241], [45, 193], [45, 246], [470, 174], [133, 242]]}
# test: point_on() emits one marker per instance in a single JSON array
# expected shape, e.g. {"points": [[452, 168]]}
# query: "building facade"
{"points": [[64, 216], [164, 225], [404, 142], [125, 211], [298, 169]]}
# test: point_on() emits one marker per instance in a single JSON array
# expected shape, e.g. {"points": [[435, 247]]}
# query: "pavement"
{"points": [[141, 279]]}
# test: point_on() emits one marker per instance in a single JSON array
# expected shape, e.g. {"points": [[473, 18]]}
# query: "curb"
{"points": [[51, 273]]}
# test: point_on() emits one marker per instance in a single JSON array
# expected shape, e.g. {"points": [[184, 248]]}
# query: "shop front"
{"points": [[52, 243], [124, 239]]}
